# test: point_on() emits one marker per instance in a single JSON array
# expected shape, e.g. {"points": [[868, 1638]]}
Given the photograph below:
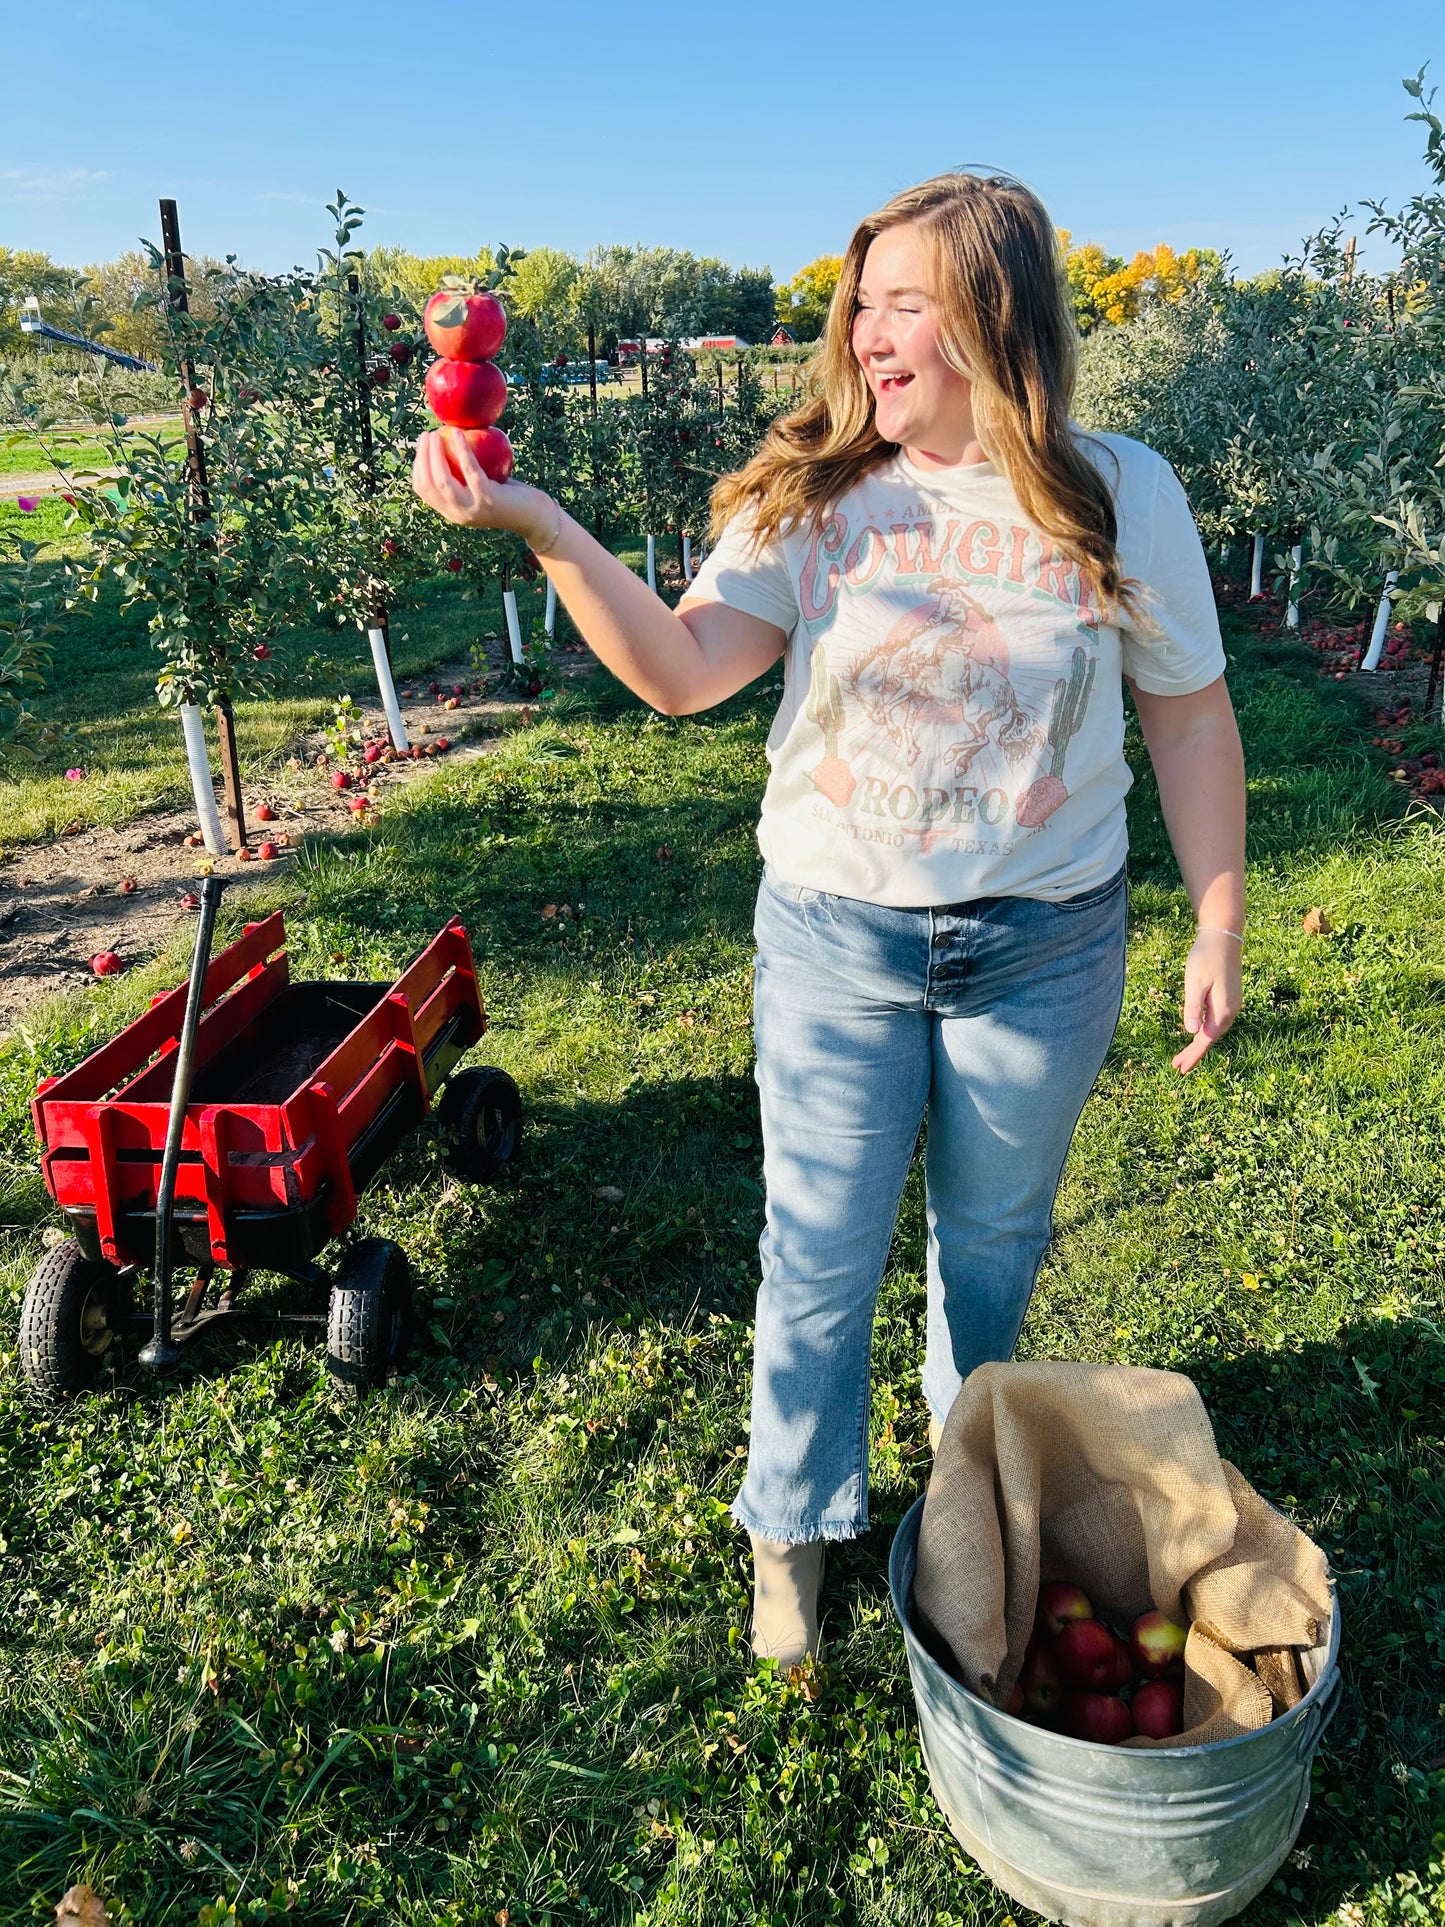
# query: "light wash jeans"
{"points": [[994, 1016]]}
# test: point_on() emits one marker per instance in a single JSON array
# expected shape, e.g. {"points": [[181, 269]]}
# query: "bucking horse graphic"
{"points": [[945, 665]]}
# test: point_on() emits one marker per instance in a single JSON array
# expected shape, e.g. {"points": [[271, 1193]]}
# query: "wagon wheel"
{"points": [[480, 1114], [369, 1317], [70, 1319]]}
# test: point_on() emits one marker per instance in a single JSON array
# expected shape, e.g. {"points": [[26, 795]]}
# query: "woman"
{"points": [[959, 582]]}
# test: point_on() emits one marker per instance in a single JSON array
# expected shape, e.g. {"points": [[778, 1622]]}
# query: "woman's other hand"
{"points": [[1213, 992]]}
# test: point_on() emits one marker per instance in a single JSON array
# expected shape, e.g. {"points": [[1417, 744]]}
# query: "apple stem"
{"points": [[193, 729], [387, 686]]}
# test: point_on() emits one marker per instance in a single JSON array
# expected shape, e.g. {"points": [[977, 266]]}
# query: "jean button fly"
{"points": [[940, 939]]}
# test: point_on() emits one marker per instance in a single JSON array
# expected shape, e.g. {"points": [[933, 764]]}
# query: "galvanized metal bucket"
{"points": [[1108, 1836]]}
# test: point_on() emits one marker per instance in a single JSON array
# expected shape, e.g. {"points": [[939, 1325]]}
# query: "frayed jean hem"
{"points": [[800, 1532]]}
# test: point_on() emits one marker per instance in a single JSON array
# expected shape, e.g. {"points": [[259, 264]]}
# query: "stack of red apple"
{"points": [[465, 388], [1080, 1677]]}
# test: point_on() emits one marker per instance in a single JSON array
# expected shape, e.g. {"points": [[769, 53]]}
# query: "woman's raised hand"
{"points": [[475, 501]]}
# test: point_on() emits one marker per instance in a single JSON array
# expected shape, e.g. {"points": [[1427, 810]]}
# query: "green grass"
{"points": [[476, 1645], [102, 689]]}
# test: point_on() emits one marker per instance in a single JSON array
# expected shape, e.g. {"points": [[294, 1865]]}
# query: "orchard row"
{"points": [[1305, 413]]}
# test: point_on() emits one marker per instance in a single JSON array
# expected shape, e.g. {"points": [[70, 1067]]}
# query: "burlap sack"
{"points": [[1108, 1475]]}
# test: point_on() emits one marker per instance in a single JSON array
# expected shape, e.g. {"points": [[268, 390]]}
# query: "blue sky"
{"points": [[756, 132]]}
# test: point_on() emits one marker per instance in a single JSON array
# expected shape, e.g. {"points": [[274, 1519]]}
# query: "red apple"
{"points": [[267, 851], [1100, 1717], [261, 652], [373, 752], [391, 322], [1043, 1688], [128, 886], [359, 806], [243, 856], [341, 779], [1123, 1673], [197, 398], [454, 562], [1156, 1644], [105, 963], [190, 901], [388, 546], [465, 327], [466, 394], [443, 742], [1084, 1651], [400, 352], [265, 813], [1060, 1601], [1159, 1709], [490, 447]]}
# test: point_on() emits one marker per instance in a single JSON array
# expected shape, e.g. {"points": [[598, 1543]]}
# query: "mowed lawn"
{"points": [[474, 1650]]}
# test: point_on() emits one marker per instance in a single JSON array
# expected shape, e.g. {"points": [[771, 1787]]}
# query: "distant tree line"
{"points": [[622, 291]]}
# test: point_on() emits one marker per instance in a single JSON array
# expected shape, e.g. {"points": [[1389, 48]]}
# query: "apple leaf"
{"points": [[450, 314]]}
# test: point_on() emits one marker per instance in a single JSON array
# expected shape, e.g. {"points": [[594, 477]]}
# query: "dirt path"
{"points": [[65, 900], [45, 482]]}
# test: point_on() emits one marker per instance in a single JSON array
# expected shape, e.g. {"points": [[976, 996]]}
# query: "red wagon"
{"points": [[293, 1095]]}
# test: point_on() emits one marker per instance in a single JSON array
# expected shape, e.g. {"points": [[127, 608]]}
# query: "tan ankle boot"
{"points": [[785, 1600]]}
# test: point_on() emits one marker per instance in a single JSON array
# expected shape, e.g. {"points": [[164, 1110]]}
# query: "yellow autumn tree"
{"points": [[1106, 288], [803, 301]]}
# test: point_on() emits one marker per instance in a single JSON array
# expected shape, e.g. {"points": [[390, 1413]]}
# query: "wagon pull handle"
{"points": [[162, 1351]]}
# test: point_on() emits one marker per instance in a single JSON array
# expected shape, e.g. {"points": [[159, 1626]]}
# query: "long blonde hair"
{"points": [[1006, 324]]}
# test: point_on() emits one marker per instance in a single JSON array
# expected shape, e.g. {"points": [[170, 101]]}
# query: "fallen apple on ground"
{"points": [[105, 963], [341, 779], [265, 813], [128, 886], [267, 851]]}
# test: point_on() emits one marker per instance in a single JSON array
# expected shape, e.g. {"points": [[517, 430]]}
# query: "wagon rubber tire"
{"points": [[368, 1318], [480, 1115], [70, 1319]]}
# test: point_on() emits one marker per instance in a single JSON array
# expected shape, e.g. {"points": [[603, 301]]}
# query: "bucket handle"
{"points": [[1320, 1714], [1311, 1729]]}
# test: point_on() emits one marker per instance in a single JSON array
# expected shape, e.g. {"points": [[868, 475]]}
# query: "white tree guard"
{"points": [[193, 729], [687, 557], [386, 683], [1382, 621], [652, 563], [549, 621], [514, 626], [1256, 565], [1291, 614]]}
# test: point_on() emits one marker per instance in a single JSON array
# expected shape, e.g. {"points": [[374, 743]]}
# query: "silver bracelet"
{"points": [[1222, 931], [537, 547]]}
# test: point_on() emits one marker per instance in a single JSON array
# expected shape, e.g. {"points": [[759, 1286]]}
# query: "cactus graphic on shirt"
{"points": [[825, 707], [1066, 718]]}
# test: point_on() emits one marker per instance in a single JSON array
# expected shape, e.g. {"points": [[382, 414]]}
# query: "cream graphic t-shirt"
{"points": [[952, 722]]}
